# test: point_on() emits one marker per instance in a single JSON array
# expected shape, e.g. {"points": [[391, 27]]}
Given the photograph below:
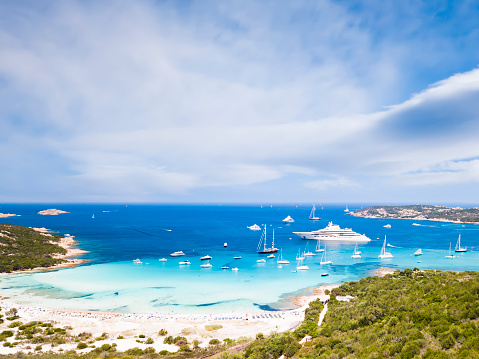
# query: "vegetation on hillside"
{"points": [[419, 211], [24, 248]]}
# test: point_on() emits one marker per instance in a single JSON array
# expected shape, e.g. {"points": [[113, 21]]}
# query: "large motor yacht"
{"points": [[334, 233]]}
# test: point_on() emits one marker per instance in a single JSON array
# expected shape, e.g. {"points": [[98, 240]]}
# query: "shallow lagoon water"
{"points": [[110, 281]]}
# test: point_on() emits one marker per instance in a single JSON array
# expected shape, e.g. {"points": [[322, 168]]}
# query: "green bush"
{"points": [[82, 346], [214, 342]]}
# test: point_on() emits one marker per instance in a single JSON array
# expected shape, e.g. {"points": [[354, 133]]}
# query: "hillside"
{"points": [[24, 248], [421, 212]]}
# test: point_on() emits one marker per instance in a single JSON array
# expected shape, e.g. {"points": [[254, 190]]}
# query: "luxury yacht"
{"points": [[334, 233]]}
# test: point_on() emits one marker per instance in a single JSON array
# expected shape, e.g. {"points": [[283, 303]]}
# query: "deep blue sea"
{"points": [[118, 234]]}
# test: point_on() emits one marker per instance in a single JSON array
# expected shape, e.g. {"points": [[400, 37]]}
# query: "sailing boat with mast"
{"points": [[323, 259], [301, 266], [356, 253], [318, 247], [312, 215], [385, 254], [262, 241], [281, 260], [450, 255], [458, 246]]}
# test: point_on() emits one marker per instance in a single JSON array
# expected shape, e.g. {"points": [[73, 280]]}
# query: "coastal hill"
{"points": [[421, 212], [23, 248]]}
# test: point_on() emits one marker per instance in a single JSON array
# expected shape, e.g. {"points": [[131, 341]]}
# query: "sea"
{"points": [[115, 235]]}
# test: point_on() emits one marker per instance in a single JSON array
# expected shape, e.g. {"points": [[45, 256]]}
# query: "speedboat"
{"points": [[225, 245], [238, 257], [334, 233], [387, 226], [261, 261], [271, 256], [177, 254], [206, 265], [225, 267], [137, 261], [254, 227], [162, 259], [235, 269], [185, 263], [206, 258], [324, 274], [288, 219]]}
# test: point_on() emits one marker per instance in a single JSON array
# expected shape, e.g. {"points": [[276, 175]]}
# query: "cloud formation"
{"points": [[199, 101]]}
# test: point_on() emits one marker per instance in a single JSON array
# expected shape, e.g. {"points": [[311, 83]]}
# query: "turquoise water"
{"points": [[110, 281]]}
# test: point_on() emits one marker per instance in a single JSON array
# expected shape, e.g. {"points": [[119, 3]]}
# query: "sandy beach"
{"points": [[130, 326]]}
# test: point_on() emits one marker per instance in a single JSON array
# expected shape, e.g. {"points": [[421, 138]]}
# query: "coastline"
{"points": [[414, 219], [192, 326]]}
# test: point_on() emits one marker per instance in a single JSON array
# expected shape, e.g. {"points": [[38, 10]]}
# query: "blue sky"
{"points": [[239, 101]]}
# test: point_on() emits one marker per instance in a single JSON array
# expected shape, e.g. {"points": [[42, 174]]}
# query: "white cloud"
{"points": [[326, 184]]}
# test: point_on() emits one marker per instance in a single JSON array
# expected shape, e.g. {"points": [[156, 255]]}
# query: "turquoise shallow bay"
{"points": [[117, 234]]}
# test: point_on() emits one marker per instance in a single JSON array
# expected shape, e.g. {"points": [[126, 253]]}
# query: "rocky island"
{"points": [[6, 215], [51, 212], [421, 212]]}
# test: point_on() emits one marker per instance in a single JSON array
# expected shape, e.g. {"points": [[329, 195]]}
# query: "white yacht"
{"points": [[254, 227], [238, 257], [270, 256], [312, 215], [137, 261], [301, 266], [356, 253], [458, 246], [281, 260], [225, 267], [418, 252], [288, 220], [383, 253], [185, 263], [162, 259], [206, 265], [387, 226], [206, 258], [334, 233], [177, 254], [235, 269]]}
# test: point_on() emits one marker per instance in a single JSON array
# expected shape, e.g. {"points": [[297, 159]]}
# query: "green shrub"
{"points": [[214, 342], [82, 345], [162, 332]]}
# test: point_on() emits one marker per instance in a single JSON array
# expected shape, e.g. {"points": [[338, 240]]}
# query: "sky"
{"points": [[239, 101]]}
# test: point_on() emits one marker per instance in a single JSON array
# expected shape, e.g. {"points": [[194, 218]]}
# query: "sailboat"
{"points": [[93, 216], [356, 253], [299, 256], [301, 266], [307, 252], [346, 210], [458, 246], [384, 254], [418, 252], [312, 216], [318, 247], [281, 260], [262, 240], [324, 260], [450, 255]]}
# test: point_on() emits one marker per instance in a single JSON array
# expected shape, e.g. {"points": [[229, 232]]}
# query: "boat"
{"points": [[346, 210], [450, 255], [262, 241], [234, 269], [301, 266], [334, 233], [206, 265], [383, 253], [254, 227], [205, 258], [387, 226], [312, 215], [324, 274], [308, 253], [418, 252], [271, 256], [288, 220], [162, 259], [416, 224], [225, 244], [225, 267], [458, 246], [92, 216], [137, 261], [318, 246], [185, 262], [280, 258], [299, 256], [238, 257], [177, 254], [261, 261], [280, 266], [324, 260], [356, 253]]}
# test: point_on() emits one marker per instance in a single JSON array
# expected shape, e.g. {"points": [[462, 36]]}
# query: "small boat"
{"points": [[418, 252], [416, 224], [324, 260], [162, 259], [356, 253], [254, 227], [308, 253], [185, 262], [177, 254], [271, 256], [262, 241], [312, 215], [238, 257], [225, 267], [346, 210], [299, 256], [280, 266], [92, 216], [281, 260], [288, 219], [450, 255], [324, 274], [301, 266], [235, 269], [225, 245], [206, 258], [137, 261], [383, 253], [318, 247], [387, 226], [458, 246], [206, 265], [261, 261]]}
